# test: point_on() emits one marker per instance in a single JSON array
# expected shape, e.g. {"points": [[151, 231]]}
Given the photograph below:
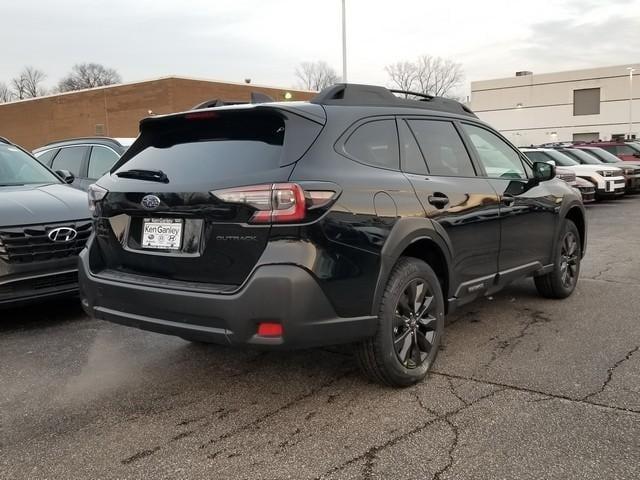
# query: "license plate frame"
{"points": [[162, 234]]}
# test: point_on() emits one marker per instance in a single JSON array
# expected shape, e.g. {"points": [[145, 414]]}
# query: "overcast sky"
{"points": [[265, 40]]}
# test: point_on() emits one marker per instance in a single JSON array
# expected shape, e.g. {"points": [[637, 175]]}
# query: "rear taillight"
{"points": [[95, 195], [276, 202]]}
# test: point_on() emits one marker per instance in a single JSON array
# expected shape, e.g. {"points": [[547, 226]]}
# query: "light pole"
{"points": [[344, 42], [631, 70]]}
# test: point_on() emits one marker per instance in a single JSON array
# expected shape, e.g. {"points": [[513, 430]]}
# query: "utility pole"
{"points": [[631, 70], [344, 42]]}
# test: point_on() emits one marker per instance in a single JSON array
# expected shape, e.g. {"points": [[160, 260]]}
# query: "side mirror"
{"points": [[66, 176], [543, 171]]}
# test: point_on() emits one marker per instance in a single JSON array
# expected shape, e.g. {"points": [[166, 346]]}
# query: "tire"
{"points": [[562, 281], [407, 339]]}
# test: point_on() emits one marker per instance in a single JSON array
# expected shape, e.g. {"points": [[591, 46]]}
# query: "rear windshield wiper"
{"points": [[150, 175]]}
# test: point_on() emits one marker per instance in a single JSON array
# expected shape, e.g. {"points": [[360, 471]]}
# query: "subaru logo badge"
{"points": [[62, 234], [150, 202]]}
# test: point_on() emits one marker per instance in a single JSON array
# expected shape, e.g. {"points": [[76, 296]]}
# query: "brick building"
{"points": [[115, 110]]}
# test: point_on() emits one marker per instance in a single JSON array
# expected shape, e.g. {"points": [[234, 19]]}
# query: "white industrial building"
{"points": [[575, 105]]}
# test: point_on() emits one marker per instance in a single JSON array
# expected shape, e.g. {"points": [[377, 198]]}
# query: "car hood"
{"points": [[34, 204], [583, 169]]}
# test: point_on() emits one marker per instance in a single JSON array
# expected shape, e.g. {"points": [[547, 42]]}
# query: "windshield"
{"points": [[581, 156], [602, 154], [18, 168], [546, 155], [633, 146]]}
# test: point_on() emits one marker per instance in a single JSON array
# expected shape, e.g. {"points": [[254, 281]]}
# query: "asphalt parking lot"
{"points": [[523, 388]]}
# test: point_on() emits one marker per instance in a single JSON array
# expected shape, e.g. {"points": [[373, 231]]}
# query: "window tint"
{"points": [[442, 148], [412, 159], [375, 143], [69, 158], [46, 157], [586, 101], [100, 161], [497, 157]]}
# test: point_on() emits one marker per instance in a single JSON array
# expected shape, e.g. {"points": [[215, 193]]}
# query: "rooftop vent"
{"points": [[522, 73]]}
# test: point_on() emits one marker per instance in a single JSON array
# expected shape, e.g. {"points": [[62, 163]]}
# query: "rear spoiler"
{"points": [[256, 97]]}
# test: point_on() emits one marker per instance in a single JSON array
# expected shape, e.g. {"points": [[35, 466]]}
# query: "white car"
{"points": [[608, 181]]}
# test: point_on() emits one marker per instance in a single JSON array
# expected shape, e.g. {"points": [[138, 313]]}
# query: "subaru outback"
{"points": [[358, 217]]}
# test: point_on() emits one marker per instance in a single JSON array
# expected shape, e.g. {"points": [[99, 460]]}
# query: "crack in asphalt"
{"points": [[539, 392], [532, 317], [610, 371], [370, 454], [454, 392], [231, 433], [607, 280], [451, 451]]}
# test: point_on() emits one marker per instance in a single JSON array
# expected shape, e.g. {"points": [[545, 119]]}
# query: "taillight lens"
{"points": [[95, 194], [274, 203]]}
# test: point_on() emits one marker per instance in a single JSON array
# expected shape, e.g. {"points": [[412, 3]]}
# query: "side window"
{"points": [[100, 161], [69, 158], [442, 148], [497, 157], [412, 159], [375, 143], [46, 157]]}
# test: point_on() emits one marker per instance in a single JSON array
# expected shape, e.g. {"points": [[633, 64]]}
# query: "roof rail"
{"points": [[423, 96], [4, 140], [351, 94], [256, 97]]}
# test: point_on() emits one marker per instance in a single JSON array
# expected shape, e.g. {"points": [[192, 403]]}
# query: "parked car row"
{"points": [[602, 174]]}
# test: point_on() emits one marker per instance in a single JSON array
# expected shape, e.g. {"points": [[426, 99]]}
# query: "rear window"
{"points": [[211, 145]]}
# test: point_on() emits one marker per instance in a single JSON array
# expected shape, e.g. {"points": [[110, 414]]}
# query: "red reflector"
{"points": [[201, 115], [270, 329]]}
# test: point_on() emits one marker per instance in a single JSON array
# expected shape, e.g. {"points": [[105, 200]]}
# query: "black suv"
{"points": [[43, 226], [358, 217], [87, 158]]}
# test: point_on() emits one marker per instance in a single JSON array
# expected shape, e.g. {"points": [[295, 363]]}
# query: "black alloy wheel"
{"points": [[569, 260], [410, 326], [415, 324]]}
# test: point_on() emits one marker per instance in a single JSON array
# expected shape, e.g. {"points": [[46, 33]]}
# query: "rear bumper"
{"points": [[286, 294]]}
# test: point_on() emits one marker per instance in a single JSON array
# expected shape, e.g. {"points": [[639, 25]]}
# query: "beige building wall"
{"points": [[115, 111], [535, 109]]}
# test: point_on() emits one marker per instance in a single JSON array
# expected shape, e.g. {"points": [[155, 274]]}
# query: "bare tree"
{"points": [[430, 75], [316, 75], [402, 75], [88, 75], [438, 76], [28, 84], [5, 93]]}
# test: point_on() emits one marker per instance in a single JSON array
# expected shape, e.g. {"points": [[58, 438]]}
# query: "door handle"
{"points": [[438, 200], [508, 199]]}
